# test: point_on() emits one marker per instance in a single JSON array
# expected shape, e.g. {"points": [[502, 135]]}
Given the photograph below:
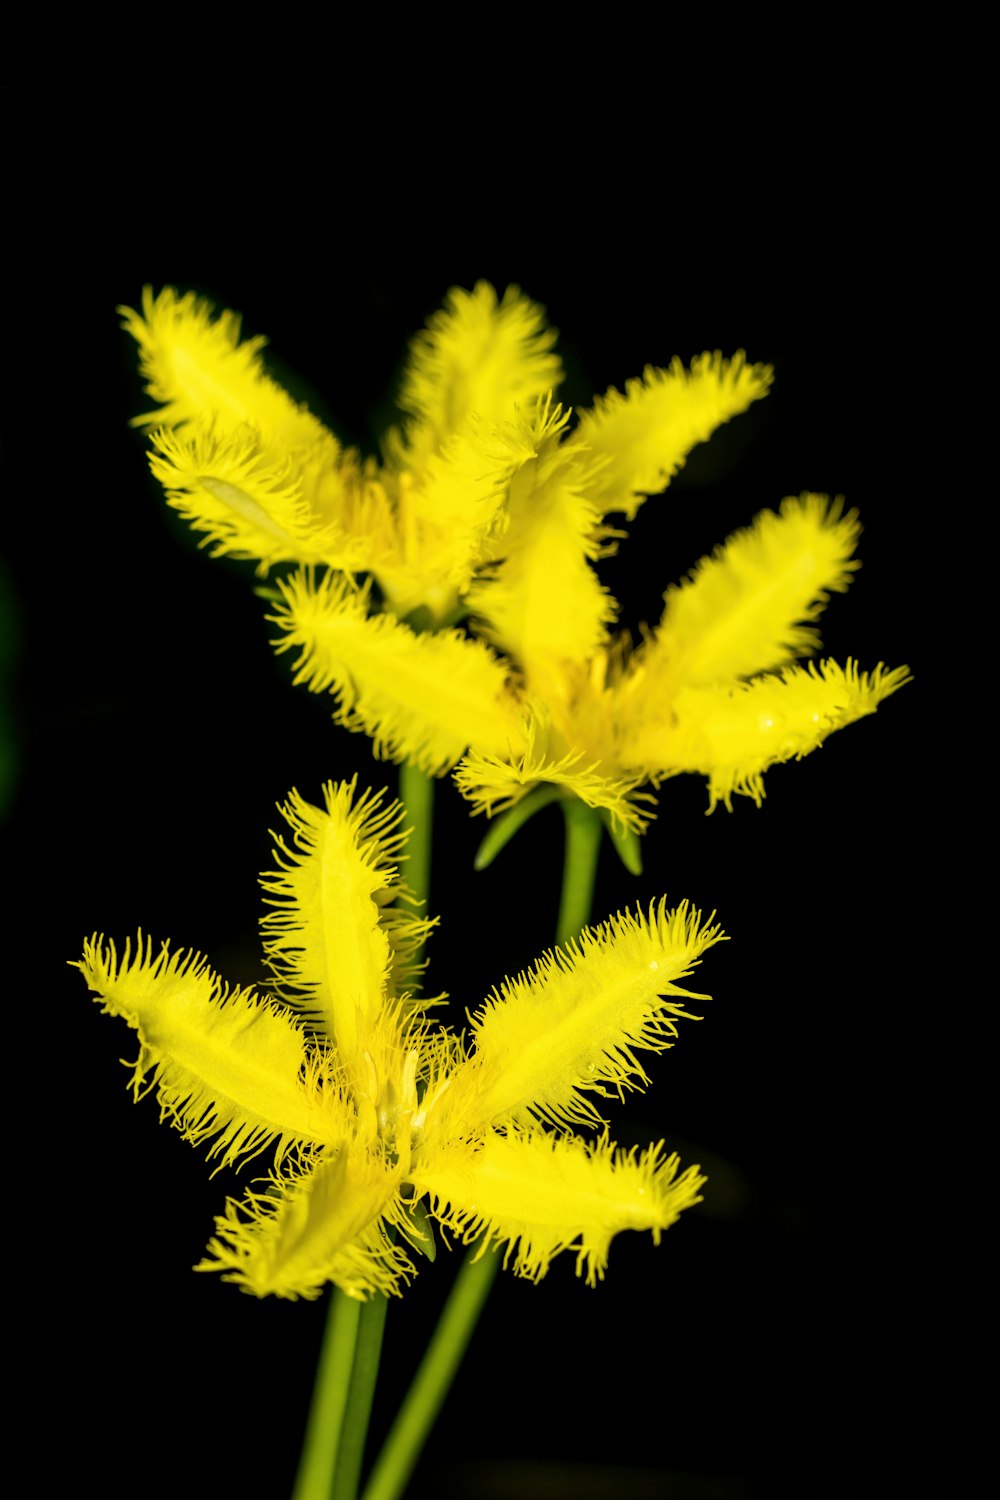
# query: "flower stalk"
{"points": [[450, 1339]]}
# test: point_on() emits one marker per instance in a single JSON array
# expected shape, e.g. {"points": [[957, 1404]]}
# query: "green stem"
{"points": [[432, 1381], [329, 1399], [334, 1444], [583, 844], [416, 792], [450, 1338], [359, 1400]]}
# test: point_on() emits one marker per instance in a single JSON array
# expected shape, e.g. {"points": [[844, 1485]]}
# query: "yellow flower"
{"points": [[380, 1116], [481, 505], [488, 505], [713, 689]]}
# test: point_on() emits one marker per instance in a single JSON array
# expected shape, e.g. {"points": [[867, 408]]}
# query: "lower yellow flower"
{"points": [[380, 1115]]}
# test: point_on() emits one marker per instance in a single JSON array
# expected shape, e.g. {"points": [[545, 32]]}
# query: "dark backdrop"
{"points": [[752, 1353]]}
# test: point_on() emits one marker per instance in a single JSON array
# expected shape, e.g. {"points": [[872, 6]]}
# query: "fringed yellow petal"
{"points": [[476, 356], [543, 602], [544, 1194], [445, 522], [227, 487], [574, 1022], [644, 437], [323, 1222], [226, 1063], [733, 734], [493, 783], [196, 366], [335, 944], [750, 607], [422, 698]]}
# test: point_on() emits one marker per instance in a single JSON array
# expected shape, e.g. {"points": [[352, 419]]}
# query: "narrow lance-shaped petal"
{"points": [[751, 606], [644, 437], [543, 602], [196, 366], [422, 698], [226, 1063], [337, 947], [542, 1194], [476, 355], [247, 504], [324, 1221], [573, 1023], [732, 734]]}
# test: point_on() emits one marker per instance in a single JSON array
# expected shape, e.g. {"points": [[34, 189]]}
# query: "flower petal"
{"points": [[196, 366], [645, 436], [573, 1022], [226, 1063], [543, 602], [422, 698], [732, 734], [544, 1194], [476, 355], [324, 1221], [336, 945], [750, 606]]}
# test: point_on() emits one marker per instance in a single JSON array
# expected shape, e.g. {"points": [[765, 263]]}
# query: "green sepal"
{"points": [[626, 842], [503, 828], [420, 1231]]}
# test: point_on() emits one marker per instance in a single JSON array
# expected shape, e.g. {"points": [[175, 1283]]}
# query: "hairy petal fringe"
{"points": [[752, 605], [421, 698], [572, 1024], [336, 946], [228, 1065], [643, 438], [325, 1221], [733, 733], [544, 1194]]}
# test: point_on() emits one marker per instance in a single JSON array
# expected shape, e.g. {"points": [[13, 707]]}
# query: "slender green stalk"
{"points": [[359, 1401], [450, 1338], [329, 1399], [416, 792], [334, 1444], [583, 844], [432, 1381]]}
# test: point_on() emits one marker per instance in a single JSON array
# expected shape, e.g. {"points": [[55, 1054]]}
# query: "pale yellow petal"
{"points": [[226, 1063], [750, 607], [423, 698], [196, 366], [493, 783], [543, 603], [643, 438], [733, 734], [572, 1024], [324, 1222], [541, 1195], [477, 355], [338, 947]]}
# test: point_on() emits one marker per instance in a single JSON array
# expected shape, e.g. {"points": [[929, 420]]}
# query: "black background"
{"points": [[769, 1346]]}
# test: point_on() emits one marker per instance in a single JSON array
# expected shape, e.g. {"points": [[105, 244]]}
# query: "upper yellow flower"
{"points": [[377, 1114], [488, 504]]}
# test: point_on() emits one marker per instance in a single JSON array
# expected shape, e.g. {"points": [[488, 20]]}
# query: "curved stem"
{"points": [[334, 1443], [450, 1338]]}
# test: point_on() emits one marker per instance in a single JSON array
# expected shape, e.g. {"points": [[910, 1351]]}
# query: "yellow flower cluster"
{"points": [[488, 506], [379, 1116]]}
